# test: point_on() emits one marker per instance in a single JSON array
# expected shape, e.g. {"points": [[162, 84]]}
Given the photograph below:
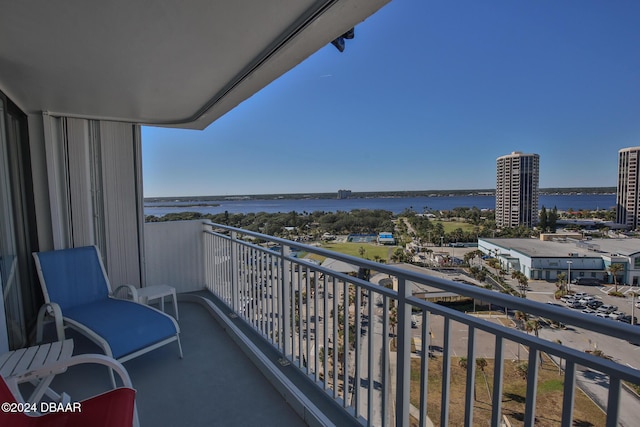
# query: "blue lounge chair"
{"points": [[77, 291]]}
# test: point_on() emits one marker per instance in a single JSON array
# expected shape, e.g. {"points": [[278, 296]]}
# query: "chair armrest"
{"points": [[132, 292], [53, 310], [60, 366]]}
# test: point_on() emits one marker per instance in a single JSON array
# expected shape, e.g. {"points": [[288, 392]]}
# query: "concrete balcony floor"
{"points": [[215, 384]]}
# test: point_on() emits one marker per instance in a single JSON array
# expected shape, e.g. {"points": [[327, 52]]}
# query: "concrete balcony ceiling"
{"points": [[165, 62]]}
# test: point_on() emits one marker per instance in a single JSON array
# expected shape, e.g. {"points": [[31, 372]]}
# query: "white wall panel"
{"points": [[174, 254], [58, 178], [95, 191], [80, 183], [120, 193]]}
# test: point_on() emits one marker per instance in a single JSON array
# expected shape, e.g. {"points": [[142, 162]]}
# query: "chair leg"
{"points": [[136, 420], [179, 346], [175, 304]]}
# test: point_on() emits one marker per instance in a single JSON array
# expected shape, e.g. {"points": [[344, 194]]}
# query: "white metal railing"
{"points": [[335, 327]]}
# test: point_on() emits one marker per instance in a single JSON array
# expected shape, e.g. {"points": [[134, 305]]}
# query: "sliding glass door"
{"points": [[17, 229]]}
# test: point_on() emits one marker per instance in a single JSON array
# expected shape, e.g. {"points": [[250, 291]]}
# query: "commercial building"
{"points": [[344, 194], [386, 238], [517, 177], [577, 259], [628, 192]]}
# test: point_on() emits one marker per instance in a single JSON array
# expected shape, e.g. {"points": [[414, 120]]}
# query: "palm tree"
{"points": [[522, 318], [614, 269], [462, 362], [523, 282], [532, 326], [560, 284], [481, 363]]}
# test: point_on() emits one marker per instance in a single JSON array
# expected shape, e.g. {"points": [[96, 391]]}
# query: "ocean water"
{"points": [[395, 205]]}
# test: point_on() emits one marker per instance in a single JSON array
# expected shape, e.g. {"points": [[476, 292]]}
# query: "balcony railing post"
{"points": [[287, 311], [403, 332], [235, 295]]}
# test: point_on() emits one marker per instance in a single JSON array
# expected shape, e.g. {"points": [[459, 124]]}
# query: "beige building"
{"points": [[517, 177], [627, 195]]}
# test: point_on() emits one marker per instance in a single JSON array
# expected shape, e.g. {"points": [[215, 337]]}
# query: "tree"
{"points": [[523, 369], [481, 363], [362, 251], [561, 281], [543, 220], [553, 219], [532, 326], [523, 282], [614, 269], [399, 255], [393, 321], [522, 318], [462, 362]]}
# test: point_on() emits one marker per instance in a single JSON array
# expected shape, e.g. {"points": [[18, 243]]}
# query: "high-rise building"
{"points": [[517, 177], [344, 194], [627, 195]]}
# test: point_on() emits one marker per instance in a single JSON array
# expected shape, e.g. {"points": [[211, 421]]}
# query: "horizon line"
{"points": [[477, 190]]}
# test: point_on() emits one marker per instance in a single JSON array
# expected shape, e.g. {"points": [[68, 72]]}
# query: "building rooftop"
{"points": [[562, 248]]}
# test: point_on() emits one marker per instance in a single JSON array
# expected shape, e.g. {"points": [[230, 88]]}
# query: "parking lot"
{"points": [[543, 291]]}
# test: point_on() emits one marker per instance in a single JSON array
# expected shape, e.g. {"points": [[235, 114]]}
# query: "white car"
{"points": [[616, 315], [607, 309], [580, 295], [586, 299]]}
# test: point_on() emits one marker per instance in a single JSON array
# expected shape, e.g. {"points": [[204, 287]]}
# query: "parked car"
{"points": [[580, 295], [585, 300], [602, 314], [564, 298], [607, 308], [588, 311], [616, 315], [575, 304], [627, 319], [594, 304]]}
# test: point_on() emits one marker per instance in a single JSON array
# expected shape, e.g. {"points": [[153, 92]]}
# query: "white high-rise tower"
{"points": [[628, 192], [517, 177]]}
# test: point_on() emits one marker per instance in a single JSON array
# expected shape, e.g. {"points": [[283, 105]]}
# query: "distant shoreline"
{"points": [[200, 200]]}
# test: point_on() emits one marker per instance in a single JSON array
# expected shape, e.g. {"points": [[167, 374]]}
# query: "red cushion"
{"points": [[113, 408]]}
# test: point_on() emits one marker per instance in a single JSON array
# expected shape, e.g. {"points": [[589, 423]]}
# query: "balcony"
{"points": [[264, 341]]}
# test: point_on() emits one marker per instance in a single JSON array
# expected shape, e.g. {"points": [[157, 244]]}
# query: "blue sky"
{"points": [[426, 97]]}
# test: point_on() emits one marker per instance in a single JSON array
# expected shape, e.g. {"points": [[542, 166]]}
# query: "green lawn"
{"points": [[449, 226], [371, 250]]}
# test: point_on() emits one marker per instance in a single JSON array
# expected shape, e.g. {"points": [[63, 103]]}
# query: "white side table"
{"points": [[149, 293], [17, 367]]}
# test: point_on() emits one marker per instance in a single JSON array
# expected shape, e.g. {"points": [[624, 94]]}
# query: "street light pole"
{"points": [[569, 275]]}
